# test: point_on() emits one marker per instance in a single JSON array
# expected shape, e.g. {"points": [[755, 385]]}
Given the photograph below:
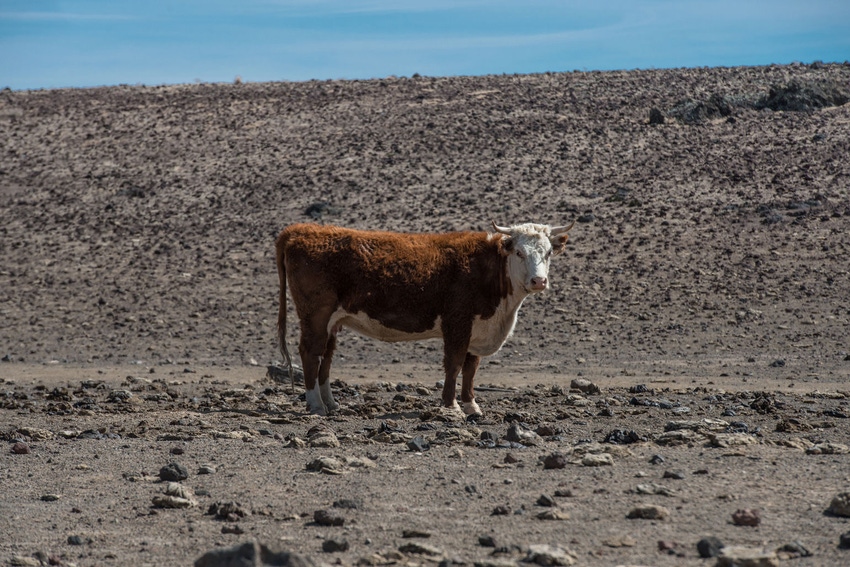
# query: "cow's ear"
{"points": [[559, 243], [507, 245]]}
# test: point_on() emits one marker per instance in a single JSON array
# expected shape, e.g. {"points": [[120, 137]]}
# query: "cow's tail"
{"points": [[280, 247]]}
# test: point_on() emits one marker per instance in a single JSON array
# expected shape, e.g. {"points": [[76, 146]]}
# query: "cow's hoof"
{"points": [[470, 408], [320, 410]]}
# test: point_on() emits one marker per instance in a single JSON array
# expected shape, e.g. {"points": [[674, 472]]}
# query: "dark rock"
{"points": [[676, 475], [20, 449], [501, 510], [798, 95], [709, 547], [555, 461], [232, 529], [623, 437], [328, 518], [76, 540], [546, 500], [655, 116], [251, 554], [656, 460], [778, 363], [638, 389], [844, 541], [173, 472], [510, 459], [486, 541], [334, 545], [348, 504]]}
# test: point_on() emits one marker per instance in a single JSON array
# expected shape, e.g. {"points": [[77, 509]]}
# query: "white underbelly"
{"points": [[488, 335], [373, 328]]}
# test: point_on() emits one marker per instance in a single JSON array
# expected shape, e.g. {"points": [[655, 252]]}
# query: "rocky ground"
{"points": [[701, 308]]}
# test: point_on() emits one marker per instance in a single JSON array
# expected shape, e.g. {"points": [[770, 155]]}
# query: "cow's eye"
{"points": [[521, 254], [548, 254]]}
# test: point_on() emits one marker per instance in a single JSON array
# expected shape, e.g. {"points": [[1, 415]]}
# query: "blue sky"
{"points": [[79, 43]]}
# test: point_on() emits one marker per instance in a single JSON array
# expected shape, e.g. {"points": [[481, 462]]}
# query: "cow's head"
{"points": [[529, 248]]}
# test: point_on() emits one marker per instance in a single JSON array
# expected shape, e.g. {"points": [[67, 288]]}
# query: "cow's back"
{"points": [[379, 272]]}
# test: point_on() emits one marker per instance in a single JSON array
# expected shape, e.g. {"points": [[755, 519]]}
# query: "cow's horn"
{"points": [[556, 230], [501, 229]]}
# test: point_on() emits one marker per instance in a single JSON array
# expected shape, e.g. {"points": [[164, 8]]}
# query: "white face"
{"points": [[528, 262]]}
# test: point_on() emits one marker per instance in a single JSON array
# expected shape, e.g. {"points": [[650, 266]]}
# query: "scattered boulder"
{"points": [[709, 547], [252, 554], [555, 461], [840, 505], [648, 512], [20, 449], [740, 556], [584, 386], [420, 549], [655, 116], [519, 434], [746, 517], [548, 555], [334, 545], [229, 511], [173, 472], [328, 518], [597, 460]]}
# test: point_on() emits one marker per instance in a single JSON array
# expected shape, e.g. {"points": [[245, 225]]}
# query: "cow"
{"points": [[463, 287]]}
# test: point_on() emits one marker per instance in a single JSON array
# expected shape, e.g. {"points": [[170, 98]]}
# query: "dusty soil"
{"points": [[707, 279]]}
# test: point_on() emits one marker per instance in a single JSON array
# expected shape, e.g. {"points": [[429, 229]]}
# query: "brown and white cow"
{"points": [[463, 287]]}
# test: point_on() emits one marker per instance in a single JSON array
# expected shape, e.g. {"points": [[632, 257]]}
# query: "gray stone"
{"points": [[252, 554], [649, 512], [328, 518], [420, 549], [547, 555], [739, 556], [599, 460], [519, 434], [334, 545], [840, 505], [173, 472], [709, 547]]}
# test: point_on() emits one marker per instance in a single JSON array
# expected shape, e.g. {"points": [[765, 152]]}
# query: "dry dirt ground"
{"points": [[704, 291]]}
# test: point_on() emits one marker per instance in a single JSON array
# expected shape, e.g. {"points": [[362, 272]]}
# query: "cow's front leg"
{"points": [[467, 394], [455, 346], [324, 376]]}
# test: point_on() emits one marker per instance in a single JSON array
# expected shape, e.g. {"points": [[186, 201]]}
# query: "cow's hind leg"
{"points": [[467, 394], [313, 345], [324, 375]]}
